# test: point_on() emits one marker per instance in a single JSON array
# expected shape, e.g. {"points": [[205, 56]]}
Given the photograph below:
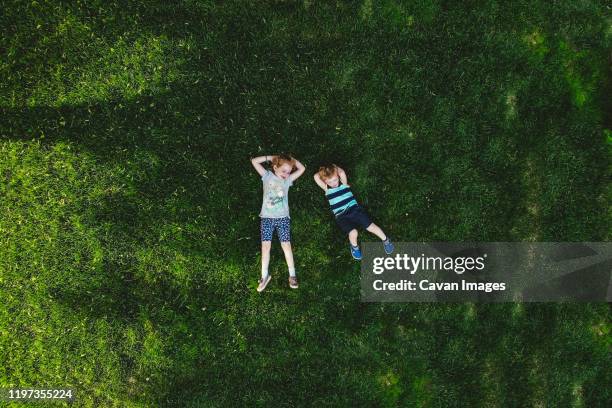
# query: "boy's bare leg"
{"points": [[353, 237], [265, 257], [375, 229]]}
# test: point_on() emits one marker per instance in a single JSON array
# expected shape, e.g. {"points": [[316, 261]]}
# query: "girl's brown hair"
{"points": [[327, 171], [283, 159]]}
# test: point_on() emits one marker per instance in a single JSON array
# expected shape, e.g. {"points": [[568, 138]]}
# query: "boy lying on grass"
{"points": [[349, 215]]}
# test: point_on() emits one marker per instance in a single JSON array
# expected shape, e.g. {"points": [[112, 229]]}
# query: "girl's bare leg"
{"points": [[265, 257], [288, 257]]}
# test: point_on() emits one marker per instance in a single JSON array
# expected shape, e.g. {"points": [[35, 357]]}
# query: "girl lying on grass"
{"points": [[275, 210], [349, 215]]}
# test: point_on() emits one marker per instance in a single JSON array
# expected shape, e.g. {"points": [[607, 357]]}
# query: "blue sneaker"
{"points": [[388, 246], [356, 252]]}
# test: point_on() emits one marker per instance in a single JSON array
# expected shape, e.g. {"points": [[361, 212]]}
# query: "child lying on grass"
{"points": [[349, 215], [275, 210]]}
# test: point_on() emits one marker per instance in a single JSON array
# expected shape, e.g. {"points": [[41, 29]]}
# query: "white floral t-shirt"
{"points": [[275, 196]]}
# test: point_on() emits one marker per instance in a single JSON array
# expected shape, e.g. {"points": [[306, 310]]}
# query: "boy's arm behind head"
{"points": [[320, 182], [342, 175]]}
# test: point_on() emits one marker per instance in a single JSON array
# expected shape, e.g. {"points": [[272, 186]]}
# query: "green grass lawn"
{"points": [[129, 229]]}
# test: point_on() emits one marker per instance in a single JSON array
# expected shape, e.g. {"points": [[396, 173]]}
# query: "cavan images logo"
{"points": [[412, 265]]}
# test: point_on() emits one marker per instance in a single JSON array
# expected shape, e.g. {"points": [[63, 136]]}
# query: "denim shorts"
{"points": [[352, 218], [281, 225]]}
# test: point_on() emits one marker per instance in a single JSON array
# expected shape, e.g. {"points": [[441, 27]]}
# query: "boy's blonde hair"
{"points": [[283, 159], [327, 171]]}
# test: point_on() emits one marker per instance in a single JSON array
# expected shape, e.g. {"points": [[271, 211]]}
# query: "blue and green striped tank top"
{"points": [[340, 198]]}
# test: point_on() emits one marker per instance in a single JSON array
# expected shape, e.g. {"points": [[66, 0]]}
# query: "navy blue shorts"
{"points": [[352, 218], [281, 225]]}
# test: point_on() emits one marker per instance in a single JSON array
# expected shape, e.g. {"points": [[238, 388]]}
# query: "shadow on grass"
{"points": [[182, 208]]}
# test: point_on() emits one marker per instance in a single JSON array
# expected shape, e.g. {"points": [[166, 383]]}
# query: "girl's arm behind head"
{"points": [[256, 162], [300, 168]]}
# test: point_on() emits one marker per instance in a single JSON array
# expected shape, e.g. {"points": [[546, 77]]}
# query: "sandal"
{"points": [[263, 283]]}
